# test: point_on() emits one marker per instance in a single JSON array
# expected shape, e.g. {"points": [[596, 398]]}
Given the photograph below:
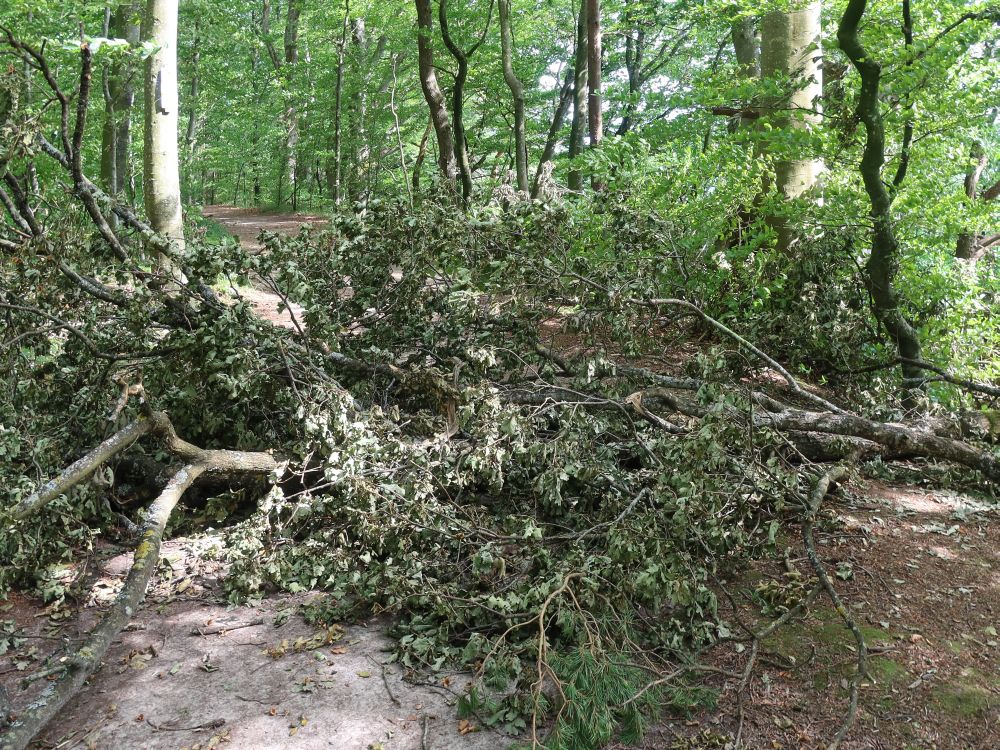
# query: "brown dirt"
{"points": [[923, 571], [270, 681], [248, 223]]}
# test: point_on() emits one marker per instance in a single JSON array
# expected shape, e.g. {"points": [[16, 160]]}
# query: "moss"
{"points": [[964, 701], [887, 671]]}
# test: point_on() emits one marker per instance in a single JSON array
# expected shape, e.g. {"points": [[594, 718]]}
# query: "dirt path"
{"points": [[246, 225], [920, 571], [268, 680]]}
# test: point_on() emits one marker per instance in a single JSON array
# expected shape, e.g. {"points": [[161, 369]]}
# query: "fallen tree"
{"points": [[70, 670]]}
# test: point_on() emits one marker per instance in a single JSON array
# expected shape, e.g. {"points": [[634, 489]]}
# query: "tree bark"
{"points": [[161, 166], [433, 94], [883, 261], [579, 122], [790, 48], [462, 57], [517, 93], [562, 106], [190, 137], [118, 101], [335, 186], [967, 247], [595, 116]]}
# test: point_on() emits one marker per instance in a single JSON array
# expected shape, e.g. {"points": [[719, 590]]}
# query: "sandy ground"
{"points": [[270, 680]]}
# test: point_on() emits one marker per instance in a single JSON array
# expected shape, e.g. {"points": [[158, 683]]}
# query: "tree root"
{"points": [[76, 667]]}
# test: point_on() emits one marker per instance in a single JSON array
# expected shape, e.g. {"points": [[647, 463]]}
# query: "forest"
{"points": [[550, 374]]}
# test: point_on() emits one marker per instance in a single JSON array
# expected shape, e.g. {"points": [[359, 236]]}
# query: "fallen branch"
{"points": [[216, 629], [77, 667], [815, 502]]}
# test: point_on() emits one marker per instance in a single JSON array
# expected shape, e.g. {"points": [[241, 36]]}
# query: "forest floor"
{"points": [[918, 567]]}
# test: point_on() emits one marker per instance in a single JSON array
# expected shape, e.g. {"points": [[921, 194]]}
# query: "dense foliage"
{"points": [[459, 402]]}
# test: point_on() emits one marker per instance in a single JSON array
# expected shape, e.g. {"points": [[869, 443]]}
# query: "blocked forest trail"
{"points": [[246, 225], [918, 569]]}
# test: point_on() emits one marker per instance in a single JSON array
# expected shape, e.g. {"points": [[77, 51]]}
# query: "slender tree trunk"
{"points": [[291, 43], [421, 152], [966, 248], [517, 93], [432, 93], [883, 261], [458, 95], [119, 96], [635, 47], [579, 122], [161, 167], [335, 187], [595, 115], [191, 135], [562, 105]]}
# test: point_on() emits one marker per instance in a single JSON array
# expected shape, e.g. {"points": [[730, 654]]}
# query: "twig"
{"points": [[815, 502], [385, 681], [213, 724], [213, 630]]}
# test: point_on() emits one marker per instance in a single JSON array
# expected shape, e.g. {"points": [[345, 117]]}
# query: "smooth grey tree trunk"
{"points": [[161, 166], [579, 122], [790, 46]]}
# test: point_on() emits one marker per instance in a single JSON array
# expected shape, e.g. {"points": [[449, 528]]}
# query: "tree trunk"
{"points": [[635, 48], [595, 116], [884, 259], [967, 246], [191, 135], [118, 101], [161, 168], [578, 124], [458, 95], [291, 43], [432, 93], [517, 93], [790, 47], [337, 167], [562, 105]]}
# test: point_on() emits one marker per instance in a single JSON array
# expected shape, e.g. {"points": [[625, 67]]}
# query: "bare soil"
{"points": [[923, 582], [193, 672]]}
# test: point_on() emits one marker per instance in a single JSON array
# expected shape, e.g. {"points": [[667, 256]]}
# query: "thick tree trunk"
{"points": [[883, 262], [579, 123], [790, 48], [433, 94], [161, 167], [517, 93]]}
